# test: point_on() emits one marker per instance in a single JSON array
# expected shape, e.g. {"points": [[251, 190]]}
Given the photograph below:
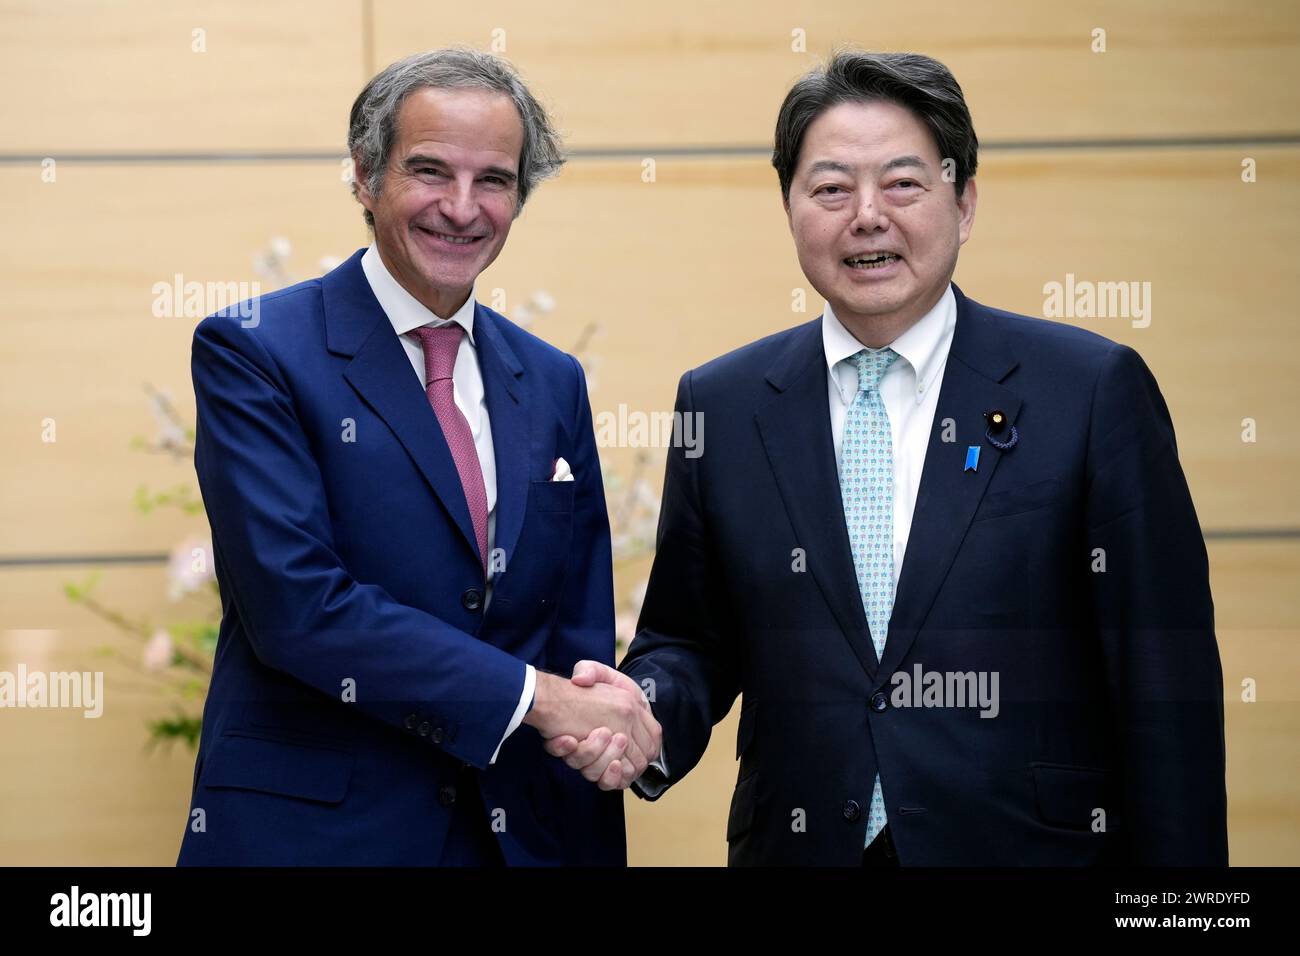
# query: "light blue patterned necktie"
{"points": [[867, 492]]}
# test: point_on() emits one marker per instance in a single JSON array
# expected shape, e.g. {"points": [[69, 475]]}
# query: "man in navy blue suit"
{"points": [[947, 553], [409, 527]]}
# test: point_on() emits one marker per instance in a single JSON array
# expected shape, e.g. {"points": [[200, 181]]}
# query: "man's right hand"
{"points": [[614, 715]]}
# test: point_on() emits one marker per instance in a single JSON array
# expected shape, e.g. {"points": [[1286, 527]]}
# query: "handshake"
{"points": [[599, 722]]}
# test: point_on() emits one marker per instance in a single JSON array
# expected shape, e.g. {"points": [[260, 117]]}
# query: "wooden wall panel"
{"points": [[81, 341], [85, 791], [103, 76], [692, 74]]}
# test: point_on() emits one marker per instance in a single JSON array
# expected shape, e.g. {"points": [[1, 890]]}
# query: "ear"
{"points": [[361, 185], [966, 204]]}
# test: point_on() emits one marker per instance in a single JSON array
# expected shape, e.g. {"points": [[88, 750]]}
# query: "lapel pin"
{"points": [[972, 458], [997, 425]]}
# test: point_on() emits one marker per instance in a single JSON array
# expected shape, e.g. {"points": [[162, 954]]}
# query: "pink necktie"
{"points": [[440, 346]]}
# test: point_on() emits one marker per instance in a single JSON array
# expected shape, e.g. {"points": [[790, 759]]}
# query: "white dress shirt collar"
{"points": [[404, 310], [924, 346]]}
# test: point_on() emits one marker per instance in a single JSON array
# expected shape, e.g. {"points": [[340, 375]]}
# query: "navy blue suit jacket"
{"points": [[1109, 680], [358, 677]]}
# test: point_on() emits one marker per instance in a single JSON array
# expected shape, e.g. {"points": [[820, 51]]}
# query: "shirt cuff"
{"points": [[525, 702], [652, 784]]}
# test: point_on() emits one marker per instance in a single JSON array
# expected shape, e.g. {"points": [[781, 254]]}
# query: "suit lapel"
{"points": [[508, 409], [795, 428], [979, 359], [381, 375]]}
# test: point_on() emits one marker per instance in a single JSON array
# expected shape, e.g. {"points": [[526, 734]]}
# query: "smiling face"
{"points": [[876, 225], [449, 194]]}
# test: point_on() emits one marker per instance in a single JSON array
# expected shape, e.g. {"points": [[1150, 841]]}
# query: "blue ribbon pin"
{"points": [[972, 458]]}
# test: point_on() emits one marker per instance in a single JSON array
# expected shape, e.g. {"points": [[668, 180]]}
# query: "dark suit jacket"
{"points": [[352, 564], [1109, 682]]}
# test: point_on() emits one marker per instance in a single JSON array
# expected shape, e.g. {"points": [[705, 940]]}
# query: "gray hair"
{"points": [[918, 83], [372, 127]]}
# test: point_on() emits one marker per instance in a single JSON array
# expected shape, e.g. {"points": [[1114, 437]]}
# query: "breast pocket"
{"points": [[1014, 501], [552, 496]]}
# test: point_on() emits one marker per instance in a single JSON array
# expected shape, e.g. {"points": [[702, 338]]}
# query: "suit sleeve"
{"points": [[304, 614], [685, 653], [1155, 619]]}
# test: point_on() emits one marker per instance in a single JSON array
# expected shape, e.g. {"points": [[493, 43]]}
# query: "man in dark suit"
{"points": [[409, 527], [946, 553]]}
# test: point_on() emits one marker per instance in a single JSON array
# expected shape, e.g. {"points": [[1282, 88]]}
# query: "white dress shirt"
{"points": [[910, 391], [406, 312]]}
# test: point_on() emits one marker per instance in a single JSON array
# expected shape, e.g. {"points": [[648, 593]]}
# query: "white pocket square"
{"points": [[562, 472]]}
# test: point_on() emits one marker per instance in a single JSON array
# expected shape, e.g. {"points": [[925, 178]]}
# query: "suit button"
{"points": [[447, 795], [879, 703], [852, 811], [424, 728], [410, 722], [472, 599], [436, 736]]}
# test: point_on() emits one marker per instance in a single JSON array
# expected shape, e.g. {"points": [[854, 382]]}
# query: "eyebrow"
{"points": [[831, 166], [901, 161], [413, 162]]}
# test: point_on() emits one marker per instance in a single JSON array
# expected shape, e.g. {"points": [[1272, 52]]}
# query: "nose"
{"points": [[458, 205], [870, 215]]}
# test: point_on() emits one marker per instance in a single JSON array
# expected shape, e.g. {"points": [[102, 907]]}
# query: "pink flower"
{"points": [[190, 567], [158, 652]]}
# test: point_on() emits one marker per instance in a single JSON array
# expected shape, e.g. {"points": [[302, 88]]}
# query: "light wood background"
{"points": [[1115, 166]]}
